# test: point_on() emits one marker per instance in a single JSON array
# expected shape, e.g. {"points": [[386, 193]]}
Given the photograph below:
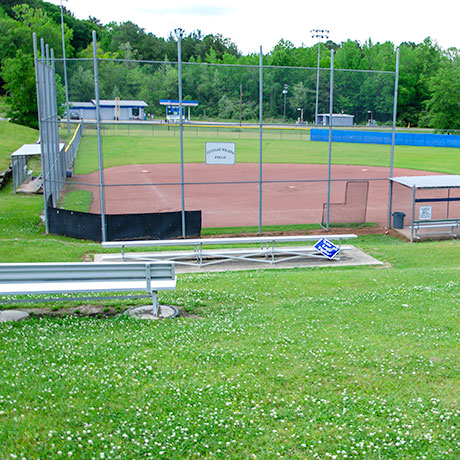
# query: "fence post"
{"points": [[39, 83], [261, 63], [329, 158], [179, 34], [99, 140], [393, 138]]}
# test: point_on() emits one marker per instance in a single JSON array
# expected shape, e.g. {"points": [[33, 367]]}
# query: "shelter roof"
{"points": [[429, 182], [30, 149], [27, 149], [175, 102]]}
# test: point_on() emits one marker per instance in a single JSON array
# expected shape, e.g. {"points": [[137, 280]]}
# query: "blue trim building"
{"points": [[122, 110]]}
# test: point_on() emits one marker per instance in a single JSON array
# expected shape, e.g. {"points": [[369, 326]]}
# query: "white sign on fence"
{"points": [[220, 153], [424, 213]]}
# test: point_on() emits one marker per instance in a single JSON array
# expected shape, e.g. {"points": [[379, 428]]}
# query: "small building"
{"points": [[82, 111], [122, 110], [172, 109], [338, 119]]}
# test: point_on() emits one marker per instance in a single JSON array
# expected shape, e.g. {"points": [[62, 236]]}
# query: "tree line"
{"points": [[429, 93]]}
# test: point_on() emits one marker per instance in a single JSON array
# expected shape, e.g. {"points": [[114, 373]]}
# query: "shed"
{"points": [[431, 203], [338, 119]]}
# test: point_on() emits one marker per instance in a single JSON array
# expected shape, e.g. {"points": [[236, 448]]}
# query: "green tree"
{"points": [[444, 104], [21, 89], [17, 64]]}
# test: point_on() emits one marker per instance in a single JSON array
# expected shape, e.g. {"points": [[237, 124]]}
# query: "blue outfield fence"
{"points": [[373, 137]]}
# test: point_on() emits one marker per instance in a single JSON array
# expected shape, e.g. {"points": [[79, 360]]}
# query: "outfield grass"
{"points": [[279, 146], [77, 200]]}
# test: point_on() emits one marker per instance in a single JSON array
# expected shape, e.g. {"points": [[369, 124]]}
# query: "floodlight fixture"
{"points": [[179, 33]]}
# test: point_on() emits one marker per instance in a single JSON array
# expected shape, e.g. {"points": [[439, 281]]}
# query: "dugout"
{"points": [[431, 205]]}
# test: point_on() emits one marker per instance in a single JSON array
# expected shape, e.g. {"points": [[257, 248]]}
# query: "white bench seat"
{"points": [[435, 227], [266, 250], [82, 277]]}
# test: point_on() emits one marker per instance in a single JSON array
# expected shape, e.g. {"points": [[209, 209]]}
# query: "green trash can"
{"points": [[398, 220]]}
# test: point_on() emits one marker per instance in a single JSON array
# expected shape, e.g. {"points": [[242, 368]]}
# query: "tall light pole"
{"points": [[285, 91], [65, 71], [319, 34]]}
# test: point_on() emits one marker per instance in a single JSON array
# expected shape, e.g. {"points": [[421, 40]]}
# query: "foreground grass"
{"points": [[304, 363]]}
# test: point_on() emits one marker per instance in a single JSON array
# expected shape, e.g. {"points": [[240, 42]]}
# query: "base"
{"points": [[146, 312]]}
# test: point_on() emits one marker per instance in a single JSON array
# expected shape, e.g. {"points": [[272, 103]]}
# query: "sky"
{"points": [[251, 24]]}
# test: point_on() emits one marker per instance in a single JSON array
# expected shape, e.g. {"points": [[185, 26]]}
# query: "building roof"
{"points": [[175, 102], [82, 105], [107, 103], [30, 149], [120, 103], [428, 182]]}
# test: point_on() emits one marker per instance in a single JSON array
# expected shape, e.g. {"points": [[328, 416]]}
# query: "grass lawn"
{"points": [[279, 146], [304, 363], [320, 363]]}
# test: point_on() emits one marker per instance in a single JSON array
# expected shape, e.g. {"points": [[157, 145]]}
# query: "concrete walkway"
{"points": [[351, 257], [12, 315]]}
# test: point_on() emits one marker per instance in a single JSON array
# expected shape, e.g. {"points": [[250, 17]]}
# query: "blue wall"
{"points": [[375, 137]]}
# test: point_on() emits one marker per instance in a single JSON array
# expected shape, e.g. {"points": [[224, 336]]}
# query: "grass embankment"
{"points": [[11, 138]]}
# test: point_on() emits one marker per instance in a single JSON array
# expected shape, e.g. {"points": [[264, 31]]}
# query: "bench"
{"points": [[84, 277], [444, 226], [266, 249]]}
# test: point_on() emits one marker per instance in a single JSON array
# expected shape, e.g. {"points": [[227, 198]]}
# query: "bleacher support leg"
{"points": [[156, 305]]}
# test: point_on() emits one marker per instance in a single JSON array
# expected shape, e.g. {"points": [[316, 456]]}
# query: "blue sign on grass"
{"points": [[327, 248]]}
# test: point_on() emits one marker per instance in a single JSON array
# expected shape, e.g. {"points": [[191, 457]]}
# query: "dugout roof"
{"points": [[428, 182]]}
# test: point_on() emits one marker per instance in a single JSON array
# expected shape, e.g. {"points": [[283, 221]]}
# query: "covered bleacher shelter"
{"points": [[430, 204], [172, 109], [25, 180]]}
